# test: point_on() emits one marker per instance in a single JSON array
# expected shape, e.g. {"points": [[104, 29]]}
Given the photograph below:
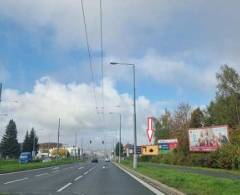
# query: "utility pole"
{"points": [[134, 113], [58, 137], [120, 134], [48, 143]]}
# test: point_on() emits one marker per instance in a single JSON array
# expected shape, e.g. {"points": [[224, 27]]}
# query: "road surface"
{"points": [[81, 178]]}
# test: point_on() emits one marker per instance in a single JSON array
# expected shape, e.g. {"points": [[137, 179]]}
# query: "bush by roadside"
{"points": [[226, 157]]}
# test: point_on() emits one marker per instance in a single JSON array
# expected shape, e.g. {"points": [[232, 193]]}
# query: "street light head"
{"points": [[113, 63]]}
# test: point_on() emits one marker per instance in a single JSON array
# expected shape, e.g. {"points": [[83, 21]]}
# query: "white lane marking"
{"points": [[41, 174], [64, 187], [103, 167], [154, 190], [25, 178], [86, 173], [78, 178], [55, 171], [80, 168]]}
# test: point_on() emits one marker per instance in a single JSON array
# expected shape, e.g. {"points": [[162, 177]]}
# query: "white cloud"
{"points": [[4, 74], [124, 22], [177, 72], [74, 104]]}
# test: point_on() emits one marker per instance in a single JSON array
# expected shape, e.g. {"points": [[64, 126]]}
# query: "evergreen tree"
{"points": [[9, 144], [27, 147], [117, 149], [33, 140], [197, 118]]}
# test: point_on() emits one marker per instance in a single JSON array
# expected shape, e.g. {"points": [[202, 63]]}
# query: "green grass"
{"points": [[13, 165], [189, 183]]}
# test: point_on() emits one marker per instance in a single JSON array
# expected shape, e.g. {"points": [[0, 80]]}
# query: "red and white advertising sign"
{"points": [[150, 129]]}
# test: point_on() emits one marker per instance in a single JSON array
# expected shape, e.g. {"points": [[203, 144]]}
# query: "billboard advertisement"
{"points": [[165, 145], [208, 138]]}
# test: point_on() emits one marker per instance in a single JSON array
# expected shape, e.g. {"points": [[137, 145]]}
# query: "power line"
{"points": [[89, 54], [101, 43]]}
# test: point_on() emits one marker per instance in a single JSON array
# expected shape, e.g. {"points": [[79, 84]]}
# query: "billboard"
{"points": [[207, 139], [150, 150], [165, 145]]}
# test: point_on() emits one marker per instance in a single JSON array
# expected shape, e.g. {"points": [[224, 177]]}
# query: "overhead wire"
{"points": [[101, 44], [89, 56]]}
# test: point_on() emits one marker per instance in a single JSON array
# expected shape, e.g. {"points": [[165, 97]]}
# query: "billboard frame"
{"points": [[213, 126]]}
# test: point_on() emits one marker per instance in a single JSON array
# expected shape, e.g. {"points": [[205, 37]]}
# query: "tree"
{"points": [[117, 149], [30, 142], [10, 147], [197, 118], [26, 147], [225, 108], [163, 126], [33, 140]]}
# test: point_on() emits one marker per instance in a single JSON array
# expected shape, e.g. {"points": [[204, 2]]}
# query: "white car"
{"points": [[107, 160]]}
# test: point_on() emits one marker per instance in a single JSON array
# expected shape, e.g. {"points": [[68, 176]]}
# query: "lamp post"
{"points": [[120, 135], [134, 113]]}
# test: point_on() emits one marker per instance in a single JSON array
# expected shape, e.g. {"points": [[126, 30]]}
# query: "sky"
{"points": [[176, 46]]}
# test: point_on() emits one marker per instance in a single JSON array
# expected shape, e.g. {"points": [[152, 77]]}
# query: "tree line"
{"points": [[10, 148], [223, 110]]}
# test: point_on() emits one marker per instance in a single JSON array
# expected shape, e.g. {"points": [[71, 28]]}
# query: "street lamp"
{"points": [[120, 135], [134, 113]]}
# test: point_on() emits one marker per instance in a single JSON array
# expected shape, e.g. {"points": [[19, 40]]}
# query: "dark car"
{"points": [[95, 160]]}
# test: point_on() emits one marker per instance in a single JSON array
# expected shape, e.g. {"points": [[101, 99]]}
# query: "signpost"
{"points": [[150, 129]]}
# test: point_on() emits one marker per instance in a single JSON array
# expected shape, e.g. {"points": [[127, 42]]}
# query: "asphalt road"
{"points": [[81, 178]]}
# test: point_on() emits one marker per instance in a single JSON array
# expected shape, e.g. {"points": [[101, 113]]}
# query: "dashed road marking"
{"points": [[79, 177], [80, 168], [86, 173], [64, 187], [55, 171], [41, 174], [25, 178]]}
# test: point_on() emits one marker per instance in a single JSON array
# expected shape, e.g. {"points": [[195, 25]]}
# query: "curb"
{"points": [[156, 184]]}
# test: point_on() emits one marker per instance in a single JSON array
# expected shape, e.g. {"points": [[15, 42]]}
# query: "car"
{"points": [[25, 157], [107, 160], [95, 160]]}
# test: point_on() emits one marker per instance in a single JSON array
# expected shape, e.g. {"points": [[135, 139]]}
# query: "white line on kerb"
{"points": [[64, 187], [41, 174], [78, 178], [16, 180]]}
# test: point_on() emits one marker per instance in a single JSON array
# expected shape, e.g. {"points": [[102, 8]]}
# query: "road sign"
{"points": [[150, 150], [150, 129], [139, 149]]}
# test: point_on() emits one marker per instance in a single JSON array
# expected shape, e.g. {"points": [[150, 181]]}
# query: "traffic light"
{"points": [[90, 141]]}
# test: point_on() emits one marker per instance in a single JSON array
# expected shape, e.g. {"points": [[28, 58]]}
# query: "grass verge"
{"points": [[189, 183], [13, 165]]}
